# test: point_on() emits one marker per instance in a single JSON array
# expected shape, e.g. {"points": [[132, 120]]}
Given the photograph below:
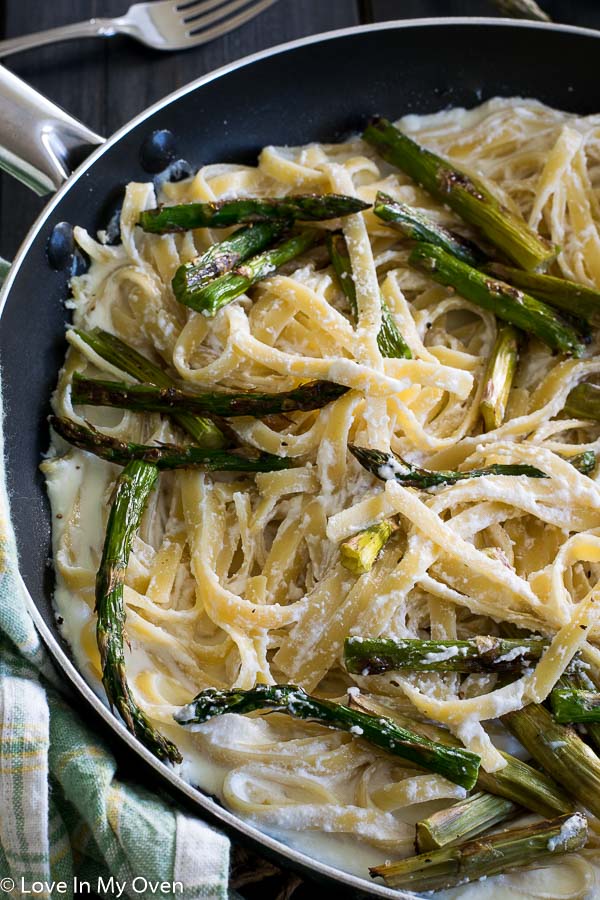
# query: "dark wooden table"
{"points": [[105, 83]]}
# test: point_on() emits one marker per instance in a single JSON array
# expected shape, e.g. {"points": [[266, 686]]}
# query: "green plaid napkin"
{"points": [[65, 818]]}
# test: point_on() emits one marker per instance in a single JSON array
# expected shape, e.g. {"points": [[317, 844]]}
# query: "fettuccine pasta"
{"points": [[236, 579]]}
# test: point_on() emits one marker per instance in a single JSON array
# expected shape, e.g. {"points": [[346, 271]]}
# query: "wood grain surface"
{"points": [[106, 82]]}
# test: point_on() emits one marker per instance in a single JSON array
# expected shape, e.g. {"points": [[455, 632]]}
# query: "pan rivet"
{"points": [[62, 252], [157, 150], [61, 246]]}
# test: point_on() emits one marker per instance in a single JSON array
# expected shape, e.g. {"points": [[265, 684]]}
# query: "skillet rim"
{"points": [[297, 858]]}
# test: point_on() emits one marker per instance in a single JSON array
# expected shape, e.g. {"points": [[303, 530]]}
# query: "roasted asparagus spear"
{"points": [[147, 398], [498, 377], [418, 226], [583, 402], [571, 704], [222, 257], [580, 680], [458, 765], [489, 855], [390, 466], [372, 656], [389, 340], [358, 553], [216, 294], [507, 302], [119, 354], [560, 751], [133, 487], [584, 462], [517, 781], [569, 296], [166, 456], [246, 210], [463, 820], [466, 195]]}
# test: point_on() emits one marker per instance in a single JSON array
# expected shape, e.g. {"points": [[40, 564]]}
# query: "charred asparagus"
{"points": [[147, 398], [372, 656], [246, 210], [560, 751], [390, 466], [584, 462], [498, 377], [389, 340], [517, 781], [458, 765], [569, 296], [222, 257], [463, 820], [216, 294], [416, 225], [507, 302], [133, 487], [119, 354], [571, 704], [583, 402], [491, 855], [358, 553], [466, 195], [166, 456]]}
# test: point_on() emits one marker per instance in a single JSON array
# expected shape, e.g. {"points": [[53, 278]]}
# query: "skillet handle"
{"points": [[40, 144]]}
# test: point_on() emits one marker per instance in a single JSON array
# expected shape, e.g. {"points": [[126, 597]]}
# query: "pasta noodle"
{"points": [[238, 580]]}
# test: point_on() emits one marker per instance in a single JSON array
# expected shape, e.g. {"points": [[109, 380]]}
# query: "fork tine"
{"points": [[221, 10], [199, 34], [200, 6]]}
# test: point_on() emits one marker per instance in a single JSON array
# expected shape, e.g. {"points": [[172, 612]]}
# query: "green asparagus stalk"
{"points": [[517, 781], [569, 296], [358, 553], [419, 227], [119, 354], [458, 765], [390, 466], [490, 855], [372, 656], [133, 487], [584, 462], [147, 398], [507, 302], [580, 680], [222, 257], [463, 821], [575, 705], [216, 294], [389, 340], [246, 210], [560, 751], [583, 402], [166, 456], [522, 9], [498, 377], [466, 195]]}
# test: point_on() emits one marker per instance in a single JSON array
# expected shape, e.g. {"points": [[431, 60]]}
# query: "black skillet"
{"points": [[320, 88]]}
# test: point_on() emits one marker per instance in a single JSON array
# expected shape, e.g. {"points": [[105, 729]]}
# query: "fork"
{"points": [[163, 25]]}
